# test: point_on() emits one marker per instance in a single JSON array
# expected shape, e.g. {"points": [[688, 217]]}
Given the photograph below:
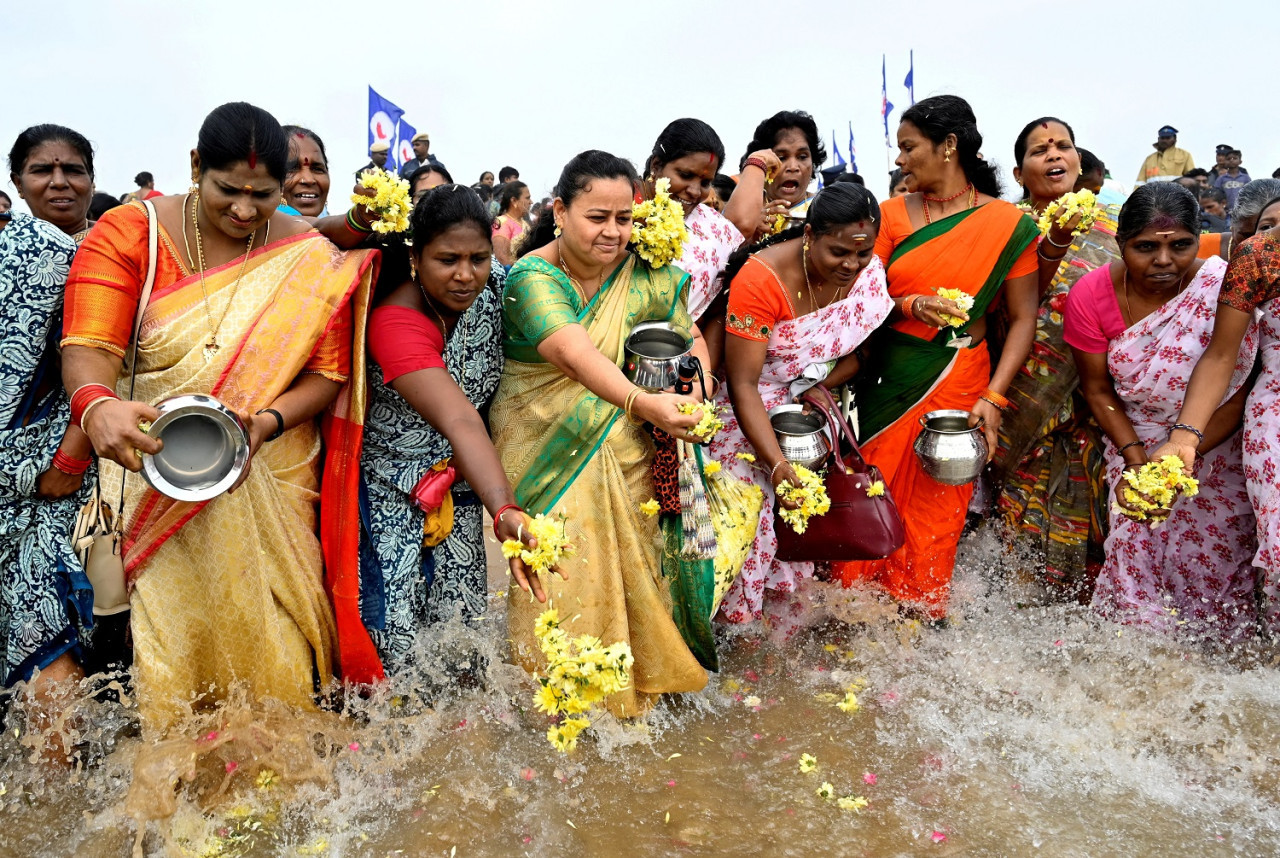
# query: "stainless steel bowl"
{"points": [[802, 437], [653, 351], [206, 448], [949, 449]]}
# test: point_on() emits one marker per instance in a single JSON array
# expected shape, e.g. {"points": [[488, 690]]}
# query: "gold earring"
{"points": [[557, 231], [1082, 171], [947, 156]]}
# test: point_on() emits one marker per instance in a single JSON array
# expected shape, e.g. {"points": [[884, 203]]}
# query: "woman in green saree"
{"points": [[568, 425]]}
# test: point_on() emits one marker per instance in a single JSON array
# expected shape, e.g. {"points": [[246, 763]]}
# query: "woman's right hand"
{"points": [[112, 427], [514, 524], [784, 473], [930, 309], [772, 166], [661, 409]]}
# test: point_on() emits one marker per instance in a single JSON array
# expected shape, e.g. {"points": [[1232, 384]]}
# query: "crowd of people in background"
{"points": [[397, 388]]}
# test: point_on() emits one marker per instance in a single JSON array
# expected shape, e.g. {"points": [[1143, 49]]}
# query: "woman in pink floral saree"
{"points": [[1137, 328]]}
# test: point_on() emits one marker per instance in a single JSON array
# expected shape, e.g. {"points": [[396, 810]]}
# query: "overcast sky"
{"points": [[530, 84]]}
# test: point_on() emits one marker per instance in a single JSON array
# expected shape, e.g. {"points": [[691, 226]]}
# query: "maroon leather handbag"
{"points": [[858, 526]]}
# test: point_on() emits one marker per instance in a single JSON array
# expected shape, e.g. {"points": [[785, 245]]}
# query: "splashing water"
{"points": [[1022, 728]]}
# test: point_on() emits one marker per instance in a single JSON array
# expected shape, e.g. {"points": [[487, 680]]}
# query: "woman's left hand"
{"points": [[990, 424], [930, 309], [54, 484], [515, 525]]}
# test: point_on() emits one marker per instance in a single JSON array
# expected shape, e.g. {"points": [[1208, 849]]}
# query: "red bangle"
{"points": [[909, 306], [757, 162], [84, 396], [994, 398], [497, 518], [71, 467]]}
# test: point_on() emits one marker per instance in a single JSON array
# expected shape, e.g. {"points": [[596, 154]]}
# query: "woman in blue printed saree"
{"points": [[561, 424], [45, 599]]}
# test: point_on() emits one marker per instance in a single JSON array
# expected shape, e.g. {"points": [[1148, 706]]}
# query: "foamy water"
{"points": [[1015, 731]]}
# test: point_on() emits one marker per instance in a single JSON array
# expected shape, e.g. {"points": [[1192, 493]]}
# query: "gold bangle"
{"points": [[630, 401]]}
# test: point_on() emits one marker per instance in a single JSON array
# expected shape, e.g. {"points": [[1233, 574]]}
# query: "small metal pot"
{"points": [[653, 353], [801, 437], [206, 448], [949, 449]]}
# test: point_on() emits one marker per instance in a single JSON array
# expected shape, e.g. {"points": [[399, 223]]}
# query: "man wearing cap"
{"points": [[1168, 162], [422, 149], [1232, 177], [377, 158]]}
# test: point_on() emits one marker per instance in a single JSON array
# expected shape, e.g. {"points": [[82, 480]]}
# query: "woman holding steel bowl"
{"points": [[254, 308]]}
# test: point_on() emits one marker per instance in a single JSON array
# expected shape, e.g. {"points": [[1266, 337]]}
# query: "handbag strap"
{"points": [[153, 240], [826, 404]]}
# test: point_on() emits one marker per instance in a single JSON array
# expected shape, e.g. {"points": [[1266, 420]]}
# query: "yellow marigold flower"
{"points": [[712, 467], [746, 457], [658, 231], [808, 762], [826, 791], [391, 201], [266, 779], [709, 425], [876, 489], [849, 703], [546, 699], [1065, 207], [553, 544], [961, 299], [1161, 481], [811, 495], [512, 548], [849, 802], [651, 507]]}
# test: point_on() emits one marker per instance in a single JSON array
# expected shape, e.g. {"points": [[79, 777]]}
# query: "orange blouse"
{"points": [[105, 285], [757, 302]]}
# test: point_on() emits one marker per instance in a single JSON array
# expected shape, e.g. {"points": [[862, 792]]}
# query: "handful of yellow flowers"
{"points": [[1161, 482], [553, 545], [390, 200], [811, 495], [710, 423], [658, 232], [580, 673], [961, 299], [1067, 206]]}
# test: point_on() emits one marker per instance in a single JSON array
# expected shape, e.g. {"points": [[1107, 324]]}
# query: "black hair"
{"points": [[429, 167], [1195, 173], [101, 204], [1268, 204], [724, 185], [1020, 145], [143, 179], [8, 199], [1155, 201], [294, 131], [895, 178], [506, 174], [940, 115], [510, 193], [1216, 194], [239, 131], [444, 207], [766, 135], [684, 137], [37, 135], [1090, 162], [483, 191], [482, 175], [836, 205], [574, 179], [848, 178]]}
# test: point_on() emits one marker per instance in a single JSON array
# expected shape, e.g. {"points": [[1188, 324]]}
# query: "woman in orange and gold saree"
{"points": [[953, 233], [568, 426], [252, 307]]}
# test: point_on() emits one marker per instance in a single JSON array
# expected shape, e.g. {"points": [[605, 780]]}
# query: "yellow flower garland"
{"points": [[1161, 481], [553, 545], [961, 299], [811, 495], [1066, 207], [658, 232], [390, 202], [580, 673], [710, 423]]}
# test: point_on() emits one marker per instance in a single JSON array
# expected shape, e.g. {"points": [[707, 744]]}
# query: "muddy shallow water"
{"points": [[1022, 729]]}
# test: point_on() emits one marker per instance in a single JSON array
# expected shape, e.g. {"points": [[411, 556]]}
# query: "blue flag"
{"points": [[835, 148], [402, 151], [886, 106], [383, 119], [853, 152], [910, 81]]}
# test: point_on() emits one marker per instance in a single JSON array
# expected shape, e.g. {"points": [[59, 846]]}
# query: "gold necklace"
{"points": [[211, 345], [582, 290], [804, 264], [1128, 310], [444, 326]]}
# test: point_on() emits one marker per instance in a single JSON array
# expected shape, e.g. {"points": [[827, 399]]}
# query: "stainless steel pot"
{"points": [[206, 448], [950, 450], [801, 437], [653, 351]]}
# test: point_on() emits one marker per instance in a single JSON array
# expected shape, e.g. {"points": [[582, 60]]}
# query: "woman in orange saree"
{"points": [[229, 591], [954, 233]]}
